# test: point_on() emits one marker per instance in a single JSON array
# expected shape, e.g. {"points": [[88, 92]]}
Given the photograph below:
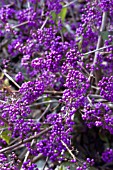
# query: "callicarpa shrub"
{"points": [[56, 84]]}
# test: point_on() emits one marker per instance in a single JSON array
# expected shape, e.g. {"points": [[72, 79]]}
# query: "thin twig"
{"points": [[83, 68], [99, 49], [9, 5], [73, 156], [53, 92], [3, 101], [28, 152], [21, 24], [18, 148], [44, 23], [90, 101], [62, 37], [45, 102], [43, 8], [45, 111], [95, 96], [36, 158], [22, 154], [99, 43], [14, 141], [56, 107], [10, 78], [45, 163], [3, 43], [29, 13], [94, 87], [68, 4]]}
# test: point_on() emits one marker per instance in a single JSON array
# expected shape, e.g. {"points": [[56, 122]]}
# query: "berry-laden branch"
{"points": [[25, 140]]}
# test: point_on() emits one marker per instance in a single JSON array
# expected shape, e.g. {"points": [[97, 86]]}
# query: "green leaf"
{"points": [[60, 168], [79, 43], [62, 15], [92, 168], [6, 135], [104, 137], [6, 82], [104, 35], [47, 99], [54, 16]]}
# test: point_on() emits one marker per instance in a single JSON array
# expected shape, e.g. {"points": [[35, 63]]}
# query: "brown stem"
{"points": [[53, 92], [36, 158]]}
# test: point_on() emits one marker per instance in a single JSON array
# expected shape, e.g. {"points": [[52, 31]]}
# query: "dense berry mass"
{"points": [[56, 84]]}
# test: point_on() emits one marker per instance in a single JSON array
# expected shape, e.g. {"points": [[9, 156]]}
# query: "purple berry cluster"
{"points": [[99, 115], [106, 87], [107, 155], [77, 86]]}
